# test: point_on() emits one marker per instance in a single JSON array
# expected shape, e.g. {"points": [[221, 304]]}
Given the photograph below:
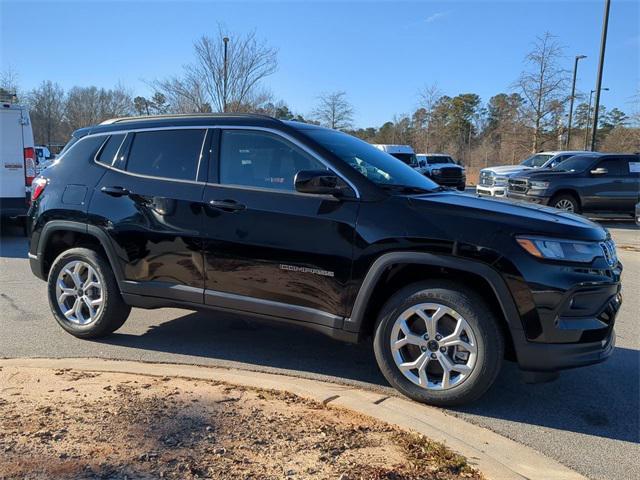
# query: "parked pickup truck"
{"points": [[493, 181], [442, 169]]}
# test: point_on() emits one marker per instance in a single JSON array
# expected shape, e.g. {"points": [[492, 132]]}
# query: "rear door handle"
{"points": [[115, 191], [227, 205]]}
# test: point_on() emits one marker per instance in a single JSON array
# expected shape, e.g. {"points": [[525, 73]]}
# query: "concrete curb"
{"points": [[497, 457]]}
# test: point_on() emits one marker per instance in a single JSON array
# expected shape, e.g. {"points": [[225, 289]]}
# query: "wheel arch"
{"points": [[60, 235], [566, 191], [410, 267]]}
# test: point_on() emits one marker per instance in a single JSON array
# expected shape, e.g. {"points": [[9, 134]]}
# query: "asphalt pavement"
{"points": [[588, 419]]}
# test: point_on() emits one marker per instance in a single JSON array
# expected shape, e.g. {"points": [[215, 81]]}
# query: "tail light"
{"points": [[37, 187], [29, 166]]}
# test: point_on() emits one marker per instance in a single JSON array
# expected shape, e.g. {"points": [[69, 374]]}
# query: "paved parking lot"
{"points": [[588, 419]]}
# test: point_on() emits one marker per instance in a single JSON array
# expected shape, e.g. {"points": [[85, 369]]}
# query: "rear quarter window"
{"points": [[107, 154]]}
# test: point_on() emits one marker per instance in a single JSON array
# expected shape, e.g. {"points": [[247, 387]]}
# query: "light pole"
{"points": [[586, 131], [603, 45], [573, 96], [224, 88]]}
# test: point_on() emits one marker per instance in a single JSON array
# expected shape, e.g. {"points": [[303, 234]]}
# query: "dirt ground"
{"points": [[69, 424]]}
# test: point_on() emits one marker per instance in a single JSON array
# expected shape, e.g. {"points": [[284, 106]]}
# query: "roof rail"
{"points": [[184, 115]]}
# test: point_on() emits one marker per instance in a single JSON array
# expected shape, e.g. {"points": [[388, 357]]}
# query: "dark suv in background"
{"points": [[588, 183], [298, 224]]}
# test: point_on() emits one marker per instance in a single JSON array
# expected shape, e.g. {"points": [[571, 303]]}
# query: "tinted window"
{"points": [[108, 153], [261, 159], [575, 164], [615, 166], [166, 153], [376, 165]]}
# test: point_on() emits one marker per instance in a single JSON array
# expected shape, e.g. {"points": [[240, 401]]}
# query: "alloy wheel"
{"points": [[433, 346], [565, 204], [79, 293]]}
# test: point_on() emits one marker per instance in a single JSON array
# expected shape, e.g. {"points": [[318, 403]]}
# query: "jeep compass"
{"points": [[303, 225]]}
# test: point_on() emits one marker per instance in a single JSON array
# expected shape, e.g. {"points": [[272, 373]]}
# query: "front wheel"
{"points": [[438, 343], [566, 202], [84, 295]]}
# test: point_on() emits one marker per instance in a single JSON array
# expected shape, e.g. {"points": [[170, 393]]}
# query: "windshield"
{"points": [[436, 160], [536, 161], [574, 164], [408, 158], [376, 165]]}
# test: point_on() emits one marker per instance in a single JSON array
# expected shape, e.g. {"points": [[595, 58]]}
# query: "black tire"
{"points": [[461, 187], [114, 311], [565, 197], [489, 339]]}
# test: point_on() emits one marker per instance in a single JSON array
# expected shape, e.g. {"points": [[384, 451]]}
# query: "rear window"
{"points": [[170, 154], [109, 150]]}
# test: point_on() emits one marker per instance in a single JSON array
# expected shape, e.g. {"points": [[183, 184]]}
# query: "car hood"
{"points": [[506, 169], [507, 216]]}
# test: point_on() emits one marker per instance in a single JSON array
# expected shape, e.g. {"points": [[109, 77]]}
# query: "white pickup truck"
{"points": [[17, 159], [493, 181]]}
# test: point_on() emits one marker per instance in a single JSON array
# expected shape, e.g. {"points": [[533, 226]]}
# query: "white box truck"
{"points": [[17, 159]]}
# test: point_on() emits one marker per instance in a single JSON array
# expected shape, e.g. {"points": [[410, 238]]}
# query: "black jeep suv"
{"points": [[589, 183], [304, 225]]}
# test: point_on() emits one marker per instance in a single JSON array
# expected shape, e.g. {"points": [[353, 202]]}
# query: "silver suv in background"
{"points": [[493, 181]]}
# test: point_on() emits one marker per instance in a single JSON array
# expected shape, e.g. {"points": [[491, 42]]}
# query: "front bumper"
{"points": [[526, 197], [491, 191], [546, 357]]}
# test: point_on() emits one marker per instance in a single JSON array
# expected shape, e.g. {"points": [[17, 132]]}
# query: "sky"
{"points": [[381, 53]]}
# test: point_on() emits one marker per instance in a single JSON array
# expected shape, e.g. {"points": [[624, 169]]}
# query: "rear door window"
{"points": [[172, 154], [107, 154]]}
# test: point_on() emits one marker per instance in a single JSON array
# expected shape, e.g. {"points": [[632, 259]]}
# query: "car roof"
{"points": [[182, 120]]}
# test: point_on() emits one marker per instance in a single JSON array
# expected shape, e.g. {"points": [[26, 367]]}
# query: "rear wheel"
{"points": [[438, 343], [566, 202], [84, 295]]}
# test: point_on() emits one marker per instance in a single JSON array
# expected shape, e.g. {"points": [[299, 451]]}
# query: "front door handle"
{"points": [[227, 205], [115, 191]]}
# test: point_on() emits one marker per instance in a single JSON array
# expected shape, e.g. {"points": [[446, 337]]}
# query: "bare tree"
{"points": [[543, 85], [334, 110], [9, 83], [428, 98], [203, 85], [91, 105], [47, 106]]}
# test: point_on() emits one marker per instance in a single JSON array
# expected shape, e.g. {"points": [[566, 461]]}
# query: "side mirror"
{"points": [[321, 182], [422, 163], [599, 171]]}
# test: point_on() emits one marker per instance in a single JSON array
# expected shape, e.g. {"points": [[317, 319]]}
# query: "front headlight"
{"points": [[435, 171], [501, 181], [539, 185], [567, 250]]}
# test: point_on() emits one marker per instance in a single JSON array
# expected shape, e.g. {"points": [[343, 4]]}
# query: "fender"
{"points": [[499, 287], [65, 225]]}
